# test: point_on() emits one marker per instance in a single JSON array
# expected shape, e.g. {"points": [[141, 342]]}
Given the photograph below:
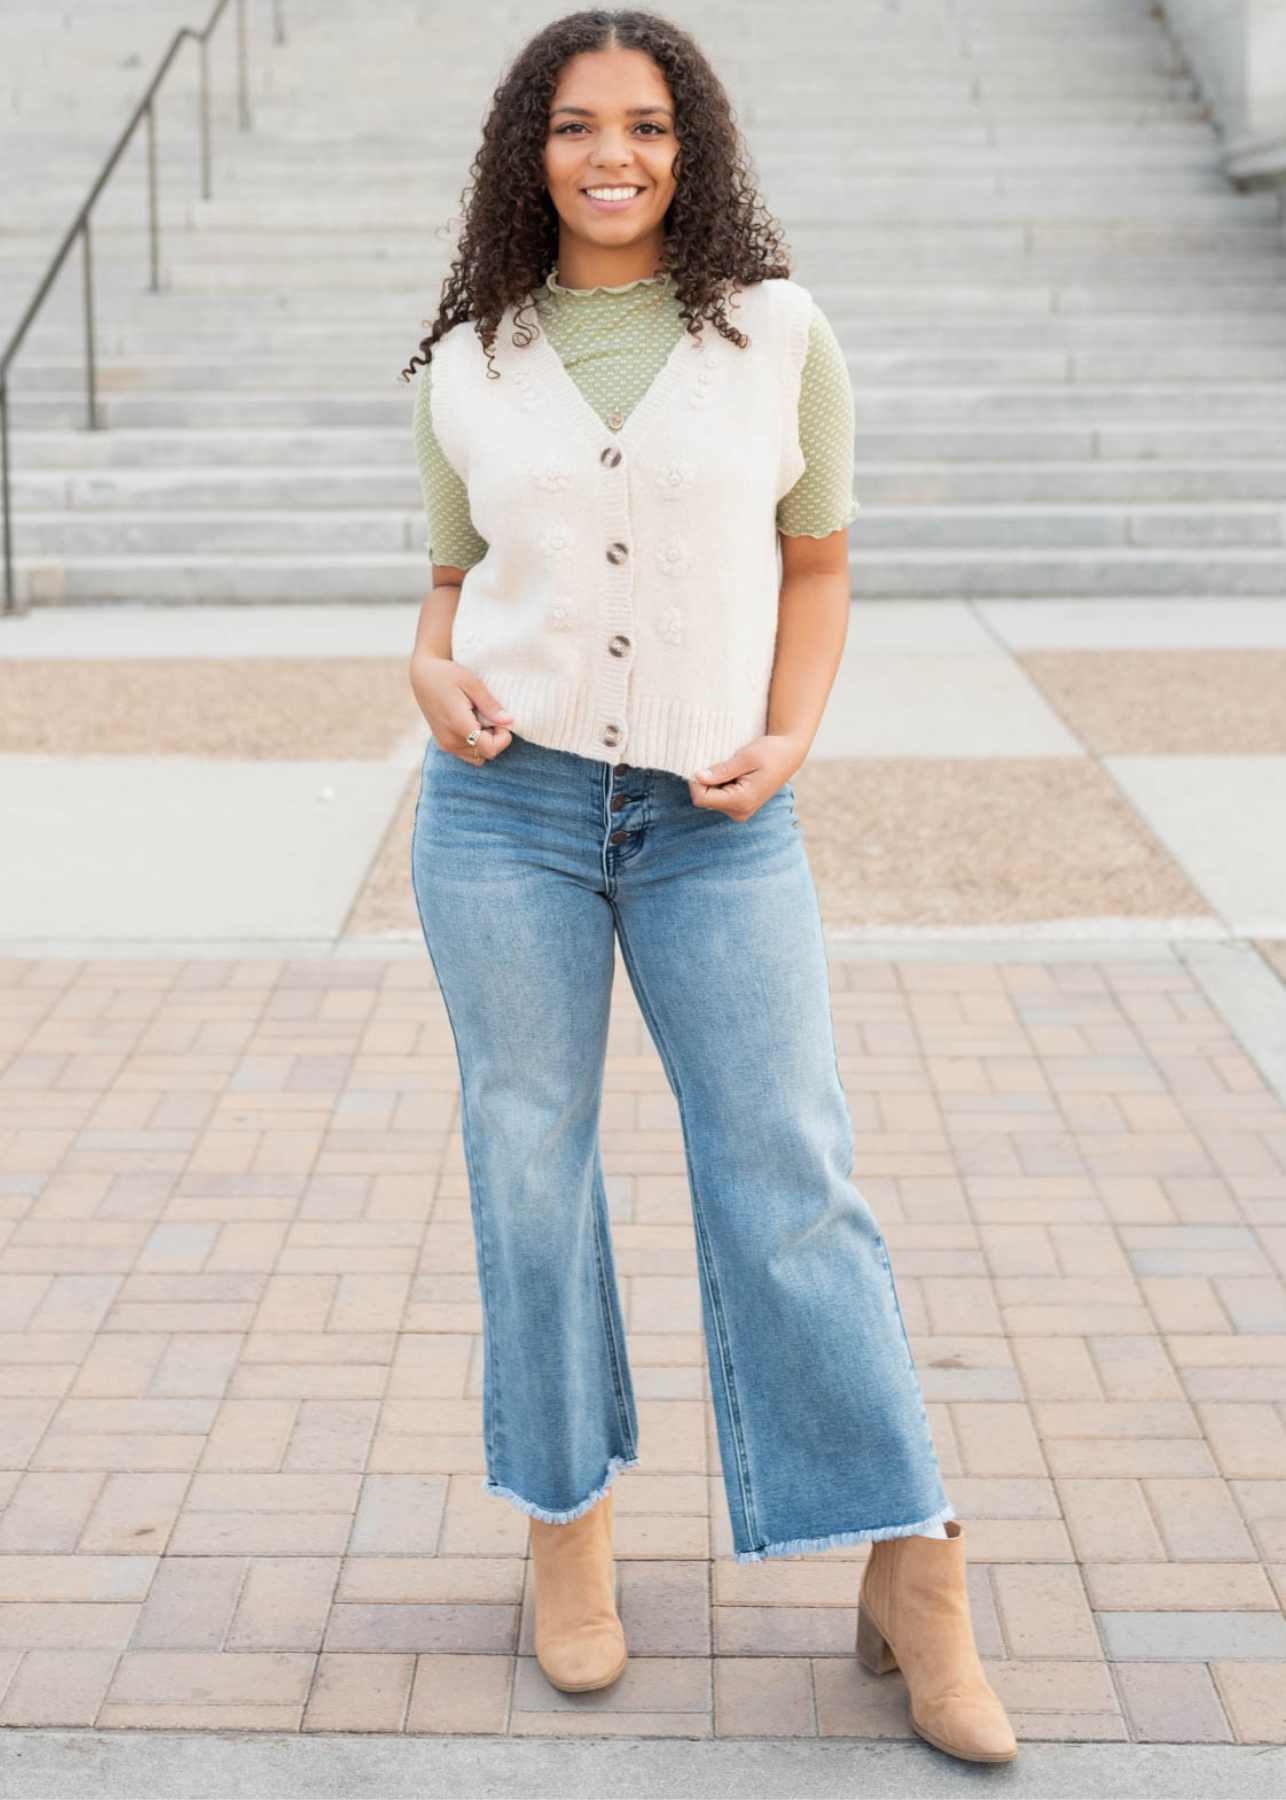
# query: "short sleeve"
{"points": [[822, 500], [452, 540]]}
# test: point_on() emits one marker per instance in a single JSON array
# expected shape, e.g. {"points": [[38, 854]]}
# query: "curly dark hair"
{"points": [[718, 235]]}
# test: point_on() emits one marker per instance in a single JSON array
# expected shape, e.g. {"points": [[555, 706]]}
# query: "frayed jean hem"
{"points": [[874, 1534], [569, 1513]]}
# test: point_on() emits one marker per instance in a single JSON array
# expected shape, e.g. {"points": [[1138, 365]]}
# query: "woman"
{"points": [[629, 403]]}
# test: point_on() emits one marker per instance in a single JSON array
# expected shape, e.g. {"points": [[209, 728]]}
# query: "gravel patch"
{"points": [[1008, 841], [314, 708], [1168, 702]]}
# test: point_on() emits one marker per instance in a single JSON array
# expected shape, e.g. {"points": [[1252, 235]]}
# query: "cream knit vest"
{"points": [[626, 608]]}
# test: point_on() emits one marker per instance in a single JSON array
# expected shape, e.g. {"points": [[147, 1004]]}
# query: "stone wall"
{"points": [[1237, 51]]}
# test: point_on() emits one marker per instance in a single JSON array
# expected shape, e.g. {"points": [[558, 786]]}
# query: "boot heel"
{"points": [[873, 1650]]}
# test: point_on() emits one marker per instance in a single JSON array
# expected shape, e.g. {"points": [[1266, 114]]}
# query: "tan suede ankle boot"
{"points": [[913, 1615], [580, 1643]]}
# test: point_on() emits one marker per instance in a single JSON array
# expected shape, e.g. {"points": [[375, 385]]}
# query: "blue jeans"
{"points": [[526, 868]]}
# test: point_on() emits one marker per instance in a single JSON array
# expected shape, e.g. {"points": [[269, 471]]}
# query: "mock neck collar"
{"points": [[555, 286]]}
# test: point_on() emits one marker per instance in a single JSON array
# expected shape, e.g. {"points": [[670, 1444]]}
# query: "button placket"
{"points": [[623, 826], [618, 604]]}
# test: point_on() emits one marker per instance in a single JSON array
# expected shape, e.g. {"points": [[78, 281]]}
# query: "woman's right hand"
{"points": [[448, 694]]}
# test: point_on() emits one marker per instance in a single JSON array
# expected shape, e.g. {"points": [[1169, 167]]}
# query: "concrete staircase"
{"points": [[1067, 334]]}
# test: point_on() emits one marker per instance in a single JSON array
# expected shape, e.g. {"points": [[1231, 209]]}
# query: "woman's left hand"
{"points": [[740, 785]]}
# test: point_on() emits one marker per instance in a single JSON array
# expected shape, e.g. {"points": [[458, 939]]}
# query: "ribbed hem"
{"points": [[572, 1512], [872, 1535], [663, 733]]}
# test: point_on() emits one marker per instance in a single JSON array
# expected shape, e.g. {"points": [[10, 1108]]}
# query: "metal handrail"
{"points": [[79, 228]]}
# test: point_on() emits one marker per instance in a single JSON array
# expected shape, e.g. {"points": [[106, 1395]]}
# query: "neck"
{"points": [[582, 264]]}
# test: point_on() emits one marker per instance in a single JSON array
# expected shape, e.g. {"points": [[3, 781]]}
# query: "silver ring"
{"points": [[473, 736]]}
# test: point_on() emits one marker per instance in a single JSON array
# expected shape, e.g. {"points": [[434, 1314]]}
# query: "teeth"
{"points": [[622, 193]]}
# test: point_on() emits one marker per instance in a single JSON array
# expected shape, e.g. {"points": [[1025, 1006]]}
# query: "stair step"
{"points": [[1097, 404], [966, 335], [1066, 330], [947, 574], [209, 529], [160, 448], [273, 446], [1064, 574], [1060, 484], [1018, 368]]}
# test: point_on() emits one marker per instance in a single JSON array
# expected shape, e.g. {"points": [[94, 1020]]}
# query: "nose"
{"points": [[612, 148]]}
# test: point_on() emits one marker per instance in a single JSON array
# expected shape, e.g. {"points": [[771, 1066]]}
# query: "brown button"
{"points": [[621, 768], [619, 646], [617, 553], [618, 837], [611, 734], [610, 456], [618, 801]]}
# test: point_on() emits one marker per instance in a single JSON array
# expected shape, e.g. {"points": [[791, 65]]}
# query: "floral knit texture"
{"points": [[613, 341], [626, 606]]}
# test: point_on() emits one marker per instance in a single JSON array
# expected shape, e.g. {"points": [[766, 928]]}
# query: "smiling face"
{"points": [[609, 161]]}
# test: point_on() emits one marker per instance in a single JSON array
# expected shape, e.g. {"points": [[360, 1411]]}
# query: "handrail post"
{"points": [[243, 83], [10, 598], [153, 220], [205, 120], [87, 265]]}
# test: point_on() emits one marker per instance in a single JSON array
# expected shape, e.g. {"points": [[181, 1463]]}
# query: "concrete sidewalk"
{"points": [[244, 775], [189, 1766]]}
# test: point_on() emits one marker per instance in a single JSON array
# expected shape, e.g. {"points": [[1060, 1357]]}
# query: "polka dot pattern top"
{"points": [[613, 342]]}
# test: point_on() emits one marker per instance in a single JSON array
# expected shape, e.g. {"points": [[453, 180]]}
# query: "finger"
{"points": [[491, 743], [484, 699], [491, 740], [717, 773], [718, 799]]}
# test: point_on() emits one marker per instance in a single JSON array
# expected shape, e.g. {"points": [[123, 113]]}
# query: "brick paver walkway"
{"points": [[241, 1363]]}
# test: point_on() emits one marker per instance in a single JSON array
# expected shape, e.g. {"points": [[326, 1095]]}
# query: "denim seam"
{"points": [[494, 1436], [703, 1245], [604, 827], [916, 1388], [491, 1433], [614, 1350]]}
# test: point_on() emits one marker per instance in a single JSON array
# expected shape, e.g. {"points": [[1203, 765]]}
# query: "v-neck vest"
{"points": [[626, 608]]}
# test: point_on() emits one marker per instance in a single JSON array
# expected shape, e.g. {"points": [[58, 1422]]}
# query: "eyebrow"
{"points": [[585, 112]]}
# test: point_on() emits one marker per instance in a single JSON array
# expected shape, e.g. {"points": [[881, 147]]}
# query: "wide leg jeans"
{"points": [[527, 868]]}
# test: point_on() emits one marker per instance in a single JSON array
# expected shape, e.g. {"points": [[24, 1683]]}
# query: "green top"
{"points": [[613, 342]]}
